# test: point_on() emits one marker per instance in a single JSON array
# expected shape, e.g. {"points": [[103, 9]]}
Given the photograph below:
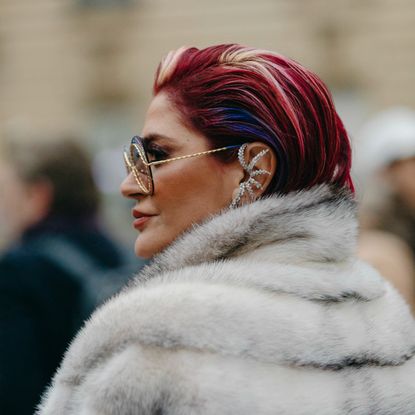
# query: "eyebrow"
{"points": [[149, 138]]}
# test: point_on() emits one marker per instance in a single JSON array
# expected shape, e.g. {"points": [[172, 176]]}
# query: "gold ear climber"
{"points": [[246, 186]]}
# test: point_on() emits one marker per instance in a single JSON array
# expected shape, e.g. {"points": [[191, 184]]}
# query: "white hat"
{"points": [[387, 137]]}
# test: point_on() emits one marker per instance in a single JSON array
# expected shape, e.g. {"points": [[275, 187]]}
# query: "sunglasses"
{"points": [[137, 164]]}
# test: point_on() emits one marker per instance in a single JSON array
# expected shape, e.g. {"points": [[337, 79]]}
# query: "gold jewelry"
{"points": [[136, 162]]}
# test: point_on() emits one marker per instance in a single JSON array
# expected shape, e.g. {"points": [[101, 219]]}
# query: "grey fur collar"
{"points": [[322, 214], [273, 284]]}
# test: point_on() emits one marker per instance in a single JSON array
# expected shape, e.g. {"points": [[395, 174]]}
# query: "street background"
{"points": [[87, 65]]}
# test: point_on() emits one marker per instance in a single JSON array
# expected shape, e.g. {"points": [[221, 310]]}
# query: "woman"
{"points": [[49, 208], [385, 168], [254, 302]]}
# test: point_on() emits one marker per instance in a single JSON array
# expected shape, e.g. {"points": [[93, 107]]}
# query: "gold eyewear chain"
{"points": [[138, 174], [201, 153]]}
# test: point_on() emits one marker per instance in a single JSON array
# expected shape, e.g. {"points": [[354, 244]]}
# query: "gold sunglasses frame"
{"points": [[138, 146]]}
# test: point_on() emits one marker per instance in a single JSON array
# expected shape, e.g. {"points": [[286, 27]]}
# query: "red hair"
{"points": [[234, 94]]}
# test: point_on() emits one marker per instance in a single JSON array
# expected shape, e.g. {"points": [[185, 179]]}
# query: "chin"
{"points": [[141, 250], [146, 249]]}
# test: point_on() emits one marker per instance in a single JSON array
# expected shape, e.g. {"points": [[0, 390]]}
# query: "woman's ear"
{"points": [[266, 162]]}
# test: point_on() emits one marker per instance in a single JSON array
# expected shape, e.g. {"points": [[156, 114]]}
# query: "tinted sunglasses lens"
{"points": [[138, 157], [141, 170], [127, 161]]}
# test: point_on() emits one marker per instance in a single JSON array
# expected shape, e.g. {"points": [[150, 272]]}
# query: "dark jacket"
{"points": [[39, 311]]}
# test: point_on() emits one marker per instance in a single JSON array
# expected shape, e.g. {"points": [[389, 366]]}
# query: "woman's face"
{"points": [[185, 191], [16, 217]]}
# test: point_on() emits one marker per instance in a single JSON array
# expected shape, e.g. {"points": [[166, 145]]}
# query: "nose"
{"points": [[129, 188]]}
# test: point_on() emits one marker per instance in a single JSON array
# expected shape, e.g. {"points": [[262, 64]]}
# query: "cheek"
{"points": [[198, 189], [184, 195], [176, 211]]}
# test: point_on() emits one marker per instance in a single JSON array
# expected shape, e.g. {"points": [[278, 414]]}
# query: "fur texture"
{"points": [[260, 310]]}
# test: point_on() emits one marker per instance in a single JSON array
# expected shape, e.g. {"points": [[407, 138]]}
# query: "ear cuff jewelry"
{"points": [[247, 185]]}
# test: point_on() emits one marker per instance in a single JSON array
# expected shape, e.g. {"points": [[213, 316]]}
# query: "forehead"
{"points": [[164, 119]]}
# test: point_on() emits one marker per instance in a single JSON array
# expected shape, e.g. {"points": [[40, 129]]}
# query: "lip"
{"points": [[141, 219]]}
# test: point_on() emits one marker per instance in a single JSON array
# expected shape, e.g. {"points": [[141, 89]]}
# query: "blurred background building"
{"points": [[88, 65]]}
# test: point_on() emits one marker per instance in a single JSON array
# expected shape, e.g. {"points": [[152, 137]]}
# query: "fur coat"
{"points": [[260, 310]]}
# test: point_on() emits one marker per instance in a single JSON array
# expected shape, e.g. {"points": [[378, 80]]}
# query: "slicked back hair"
{"points": [[234, 94]]}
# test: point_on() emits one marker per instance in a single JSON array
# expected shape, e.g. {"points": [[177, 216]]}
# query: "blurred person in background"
{"points": [[385, 168], [48, 203], [254, 302]]}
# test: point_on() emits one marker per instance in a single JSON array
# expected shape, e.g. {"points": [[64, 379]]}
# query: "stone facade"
{"points": [[90, 63]]}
